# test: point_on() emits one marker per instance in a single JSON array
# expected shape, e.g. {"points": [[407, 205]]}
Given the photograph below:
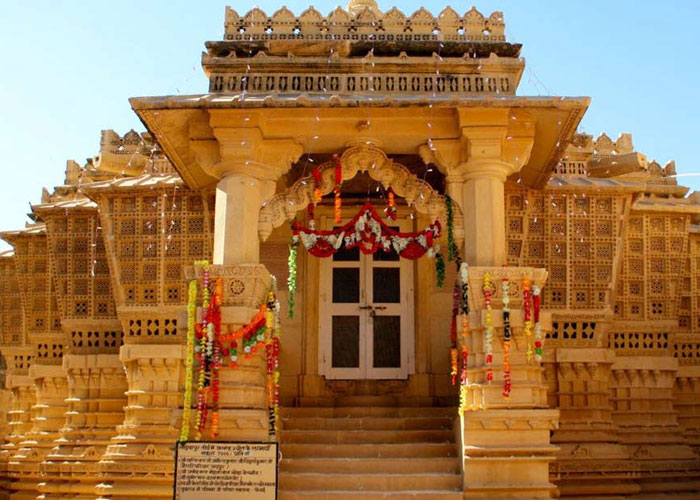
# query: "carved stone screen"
{"points": [[225, 471]]}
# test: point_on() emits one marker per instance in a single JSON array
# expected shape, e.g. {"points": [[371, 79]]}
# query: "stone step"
{"points": [[364, 465], [404, 450], [369, 495], [367, 423], [367, 411], [367, 436], [376, 482]]}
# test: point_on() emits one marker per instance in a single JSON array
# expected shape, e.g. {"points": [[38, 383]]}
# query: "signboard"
{"points": [[225, 471]]}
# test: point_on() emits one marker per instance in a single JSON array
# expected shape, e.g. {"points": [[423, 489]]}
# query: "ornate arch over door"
{"points": [[362, 158]]}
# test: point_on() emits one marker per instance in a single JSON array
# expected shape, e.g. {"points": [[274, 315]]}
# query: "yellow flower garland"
{"points": [[189, 361]]}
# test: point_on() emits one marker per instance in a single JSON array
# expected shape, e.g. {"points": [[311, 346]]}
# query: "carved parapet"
{"points": [[93, 336], [244, 285], [150, 325], [369, 22]]}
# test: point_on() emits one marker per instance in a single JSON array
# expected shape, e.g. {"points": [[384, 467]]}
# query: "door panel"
{"points": [[366, 314]]}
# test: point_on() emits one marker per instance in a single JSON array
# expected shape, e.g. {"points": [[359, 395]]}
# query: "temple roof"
{"points": [[147, 181]]}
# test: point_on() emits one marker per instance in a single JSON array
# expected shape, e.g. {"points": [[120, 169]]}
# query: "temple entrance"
{"points": [[366, 322]]}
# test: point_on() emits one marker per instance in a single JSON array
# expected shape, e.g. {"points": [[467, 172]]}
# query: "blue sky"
{"points": [[70, 67]]}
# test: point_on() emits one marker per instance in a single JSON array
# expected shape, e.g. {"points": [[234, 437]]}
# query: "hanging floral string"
{"points": [[338, 218], [317, 184], [201, 352], [439, 269], [272, 360], [454, 359], [368, 232], [488, 327], [391, 211], [215, 316], [463, 277], [527, 316], [452, 251], [292, 276], [538, 326], [505, 290], [311, 210], [189, 361]]}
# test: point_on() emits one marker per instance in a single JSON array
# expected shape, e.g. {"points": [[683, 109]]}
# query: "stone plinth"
{"points": [[505, 441], [48, 417], [687, 404], [642, 400], [138, 462], [591, 460], [19, 422], [96, 387]]}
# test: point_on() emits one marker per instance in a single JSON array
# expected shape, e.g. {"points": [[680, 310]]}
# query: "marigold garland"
{"points": [[488, 327], [391, 212], [338, 203], [317, 184], [527, 316], [538, 326], [189, 360], [505, 290], [213, 346]]}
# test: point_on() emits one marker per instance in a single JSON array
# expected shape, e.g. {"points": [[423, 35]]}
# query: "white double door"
{"points": [[366, 317]]}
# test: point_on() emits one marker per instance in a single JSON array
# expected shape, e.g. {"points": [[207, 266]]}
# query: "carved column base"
{"points": [[23, 398], [138, 462], [642, 388], [507, 453], [51, 391], [95, 407]]}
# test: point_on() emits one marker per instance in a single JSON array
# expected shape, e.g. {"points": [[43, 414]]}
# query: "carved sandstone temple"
{"points": [[93, 295]]}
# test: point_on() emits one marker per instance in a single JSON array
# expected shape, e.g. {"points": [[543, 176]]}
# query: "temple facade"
{"points": [[472, 299]]}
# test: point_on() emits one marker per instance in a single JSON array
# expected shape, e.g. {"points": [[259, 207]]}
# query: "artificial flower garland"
{"points": [[488, 327], [454, 359], [463, 277], [505, 290], [337, 205], [368, 232], [538, 326], [189, 360], [452, 251], [527, 316], [292, 277], [212, 346], [391, 211]]}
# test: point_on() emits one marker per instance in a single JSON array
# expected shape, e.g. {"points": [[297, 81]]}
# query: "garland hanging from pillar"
{"points": [[463, 279], [505, 291], [214, 350], [488, 327], [527, 316], [538, 327]]}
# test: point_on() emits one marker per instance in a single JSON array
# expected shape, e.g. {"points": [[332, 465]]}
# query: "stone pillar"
{"points": [[506, 441], [138, 463], [238, 200], [51, 388]]}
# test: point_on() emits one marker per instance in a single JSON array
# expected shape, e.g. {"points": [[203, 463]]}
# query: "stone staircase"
{"points": [[368, 452]]}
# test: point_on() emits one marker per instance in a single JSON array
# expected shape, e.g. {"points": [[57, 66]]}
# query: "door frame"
{"points": [[406, 310]]}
